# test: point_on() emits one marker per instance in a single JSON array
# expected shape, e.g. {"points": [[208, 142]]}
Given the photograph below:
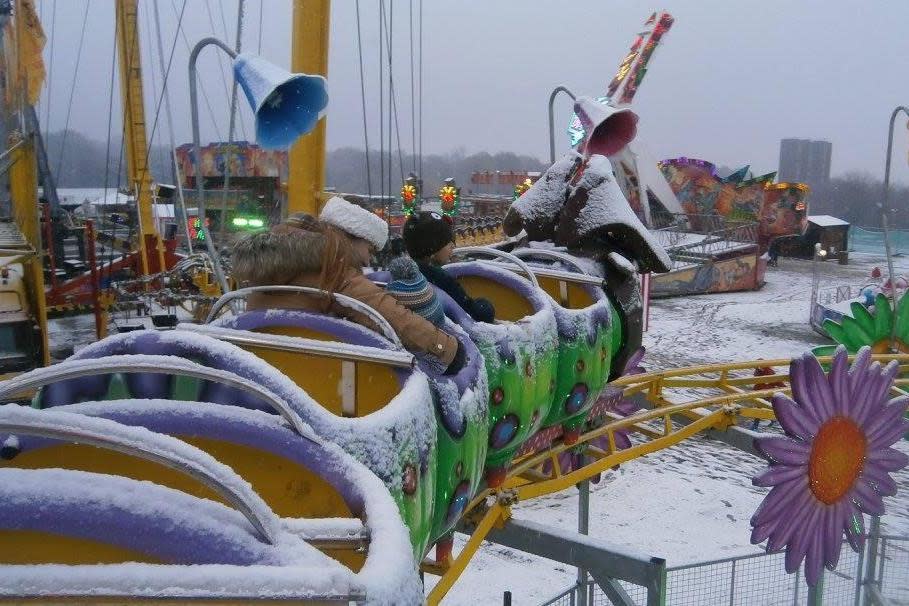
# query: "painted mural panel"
{"points": [[740, 273], [246, 160], [780, 208]]}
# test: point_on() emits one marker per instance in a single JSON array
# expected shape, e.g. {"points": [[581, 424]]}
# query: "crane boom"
{"points": [[135, 142]]}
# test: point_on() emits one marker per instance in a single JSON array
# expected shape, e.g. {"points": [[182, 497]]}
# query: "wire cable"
{"points": [[421, 87], [237, 47], [261, 11], [363, 98], [393, 106], [50, 70], [413, 100], [160, 101], [69, 109], [381, 101]]}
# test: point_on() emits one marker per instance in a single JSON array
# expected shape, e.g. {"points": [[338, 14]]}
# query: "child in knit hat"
{"points": [[410, 288], [429, 238]]}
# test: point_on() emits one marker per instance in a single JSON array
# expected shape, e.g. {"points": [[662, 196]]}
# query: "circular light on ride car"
{"points": [[504, 431], [576, 398], [458, 502]]}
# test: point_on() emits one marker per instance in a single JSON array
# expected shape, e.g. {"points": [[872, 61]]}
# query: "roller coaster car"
{"points": [[398, 443], [114, 507], [542, 364]]}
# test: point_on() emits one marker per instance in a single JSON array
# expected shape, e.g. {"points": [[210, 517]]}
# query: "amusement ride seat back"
{"points": [[509, 304], [342, 380], [133, 453], [348, 388], [254, 444]]}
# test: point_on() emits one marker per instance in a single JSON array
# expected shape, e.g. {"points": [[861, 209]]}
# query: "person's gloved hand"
{"points": [[459, 361]]}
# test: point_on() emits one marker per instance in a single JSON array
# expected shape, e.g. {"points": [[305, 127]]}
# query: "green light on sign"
{"points": [[248, 223]]}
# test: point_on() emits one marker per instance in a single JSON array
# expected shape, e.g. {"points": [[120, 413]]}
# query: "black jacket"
{"points": [[481, 310]]}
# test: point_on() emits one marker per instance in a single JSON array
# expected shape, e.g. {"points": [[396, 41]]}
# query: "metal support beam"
{"points": [[309, 54], [603, 560], [552, 98], [23, 181], [873, 546], [885, 211], [614, 592], [134, 135], [583, 528]]}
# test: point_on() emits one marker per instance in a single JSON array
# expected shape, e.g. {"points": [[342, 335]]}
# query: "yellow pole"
{"points": [[23, 186], [137, 170], [309, 54]]}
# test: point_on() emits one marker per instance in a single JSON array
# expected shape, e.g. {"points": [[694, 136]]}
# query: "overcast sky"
{"points": [[730, 80]]}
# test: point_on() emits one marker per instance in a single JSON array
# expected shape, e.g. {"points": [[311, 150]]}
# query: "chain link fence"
{"points": [[761, 580], [893, 568]]}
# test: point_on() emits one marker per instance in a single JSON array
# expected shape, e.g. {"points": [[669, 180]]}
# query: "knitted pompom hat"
{"points": [[426, 233], [410, 288], [355, 220]]}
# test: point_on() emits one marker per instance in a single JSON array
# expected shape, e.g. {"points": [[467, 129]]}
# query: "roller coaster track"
{"points": [[676, 405]]}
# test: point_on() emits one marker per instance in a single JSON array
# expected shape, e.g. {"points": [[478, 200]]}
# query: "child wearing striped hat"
{"points": [[411, 290]]}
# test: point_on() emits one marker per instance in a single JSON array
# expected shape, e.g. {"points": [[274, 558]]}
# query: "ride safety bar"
{"points": [[314, 347], [343, 300]]}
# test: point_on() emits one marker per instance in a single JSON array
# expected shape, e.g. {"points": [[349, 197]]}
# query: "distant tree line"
{"points": [[84, 165], [855, 196]]}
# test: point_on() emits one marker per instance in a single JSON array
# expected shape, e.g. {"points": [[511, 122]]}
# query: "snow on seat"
{"points": [[459, 401], [116, 518], [151, 385], [356, 388], [589, 330], [294, 476], [520, 351], [397, 443]]}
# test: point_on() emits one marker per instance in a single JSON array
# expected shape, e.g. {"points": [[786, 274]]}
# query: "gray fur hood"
{"points": [[276, 257]]}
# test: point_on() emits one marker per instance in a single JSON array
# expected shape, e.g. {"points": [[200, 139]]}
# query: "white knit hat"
{"points": [[355, 220]]}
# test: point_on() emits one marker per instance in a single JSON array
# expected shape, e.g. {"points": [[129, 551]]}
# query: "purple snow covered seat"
{"points": [[154, 385], [285, 469], [104, 525]]}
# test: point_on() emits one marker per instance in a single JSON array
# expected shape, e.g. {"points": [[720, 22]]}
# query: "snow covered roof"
{"points": [[826, 221]]}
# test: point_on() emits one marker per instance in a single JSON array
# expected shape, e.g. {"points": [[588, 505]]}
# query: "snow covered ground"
{"points": [[692, 502]]}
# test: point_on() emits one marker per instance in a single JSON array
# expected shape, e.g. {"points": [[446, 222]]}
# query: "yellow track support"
{"points": [[714, 396], [493, 516]]}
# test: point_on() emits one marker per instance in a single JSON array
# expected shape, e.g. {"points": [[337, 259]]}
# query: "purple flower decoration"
{"points": [[835, 461]]}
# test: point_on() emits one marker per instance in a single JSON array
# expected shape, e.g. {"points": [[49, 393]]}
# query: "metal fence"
{"points": [[761, 580]]}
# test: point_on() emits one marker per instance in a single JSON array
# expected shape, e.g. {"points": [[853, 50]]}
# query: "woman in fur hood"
{"points": [[329, 254]]}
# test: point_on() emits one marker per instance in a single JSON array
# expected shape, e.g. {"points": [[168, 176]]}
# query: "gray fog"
{"points": [[729, 81]]}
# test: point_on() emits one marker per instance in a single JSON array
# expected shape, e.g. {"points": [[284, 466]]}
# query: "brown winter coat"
{"points": [[294, 257]]}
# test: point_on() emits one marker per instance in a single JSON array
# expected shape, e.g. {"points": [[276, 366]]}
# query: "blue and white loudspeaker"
{"points": [[286, 105]]}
